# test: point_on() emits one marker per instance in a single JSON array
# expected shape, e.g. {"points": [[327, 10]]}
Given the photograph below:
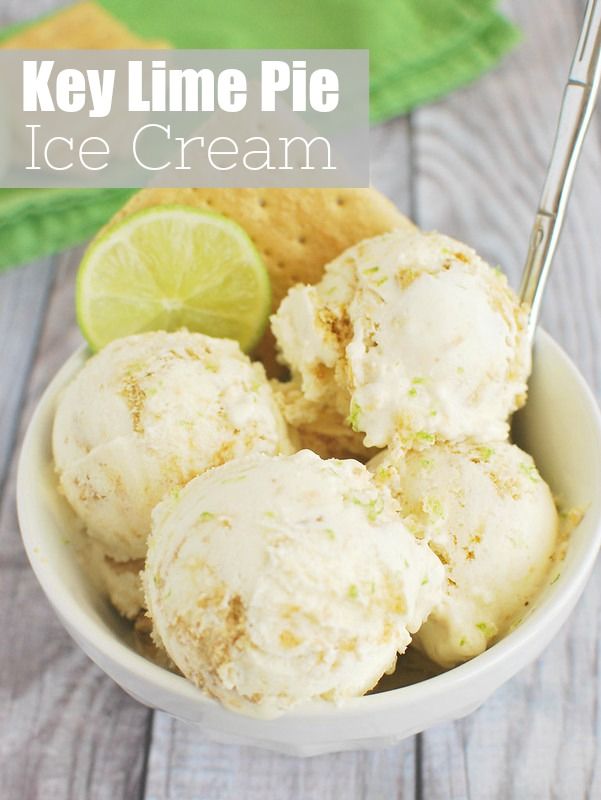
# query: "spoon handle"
{"points": [[576, 109]]}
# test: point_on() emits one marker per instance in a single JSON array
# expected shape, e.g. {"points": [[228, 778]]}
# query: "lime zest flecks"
{"points": [[373, 508], [353, 417], [530, 472], [206, 516], [384, 474], [433, 507], [486, 452], [487, 630], [424, 436], [555, 579], [353, 592]]}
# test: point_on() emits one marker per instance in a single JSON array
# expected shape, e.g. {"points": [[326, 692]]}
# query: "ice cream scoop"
{"points": [[147, 414], [410, 336], [272, 581], [490, 518]]}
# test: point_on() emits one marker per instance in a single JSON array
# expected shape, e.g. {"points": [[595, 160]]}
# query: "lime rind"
{"points": [[232, 287]]}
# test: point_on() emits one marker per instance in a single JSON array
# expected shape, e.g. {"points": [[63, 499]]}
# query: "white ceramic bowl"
{"points": [[560, 426]]}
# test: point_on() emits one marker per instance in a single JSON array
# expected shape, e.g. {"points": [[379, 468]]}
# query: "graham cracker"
{"points": [[83, 26], [296, 231]]}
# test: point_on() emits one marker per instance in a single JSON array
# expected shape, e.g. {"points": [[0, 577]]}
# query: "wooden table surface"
{"points": [[470, 165]]}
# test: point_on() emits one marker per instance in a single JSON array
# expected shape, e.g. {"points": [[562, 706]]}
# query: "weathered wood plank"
{"points": [[23, 296], [182, 763], [480, 160], [390, 161], [13, 11], [66, 730]]}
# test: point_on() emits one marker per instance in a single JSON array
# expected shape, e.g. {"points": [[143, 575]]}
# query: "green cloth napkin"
{"points": [[419, 50], [39, 222]]}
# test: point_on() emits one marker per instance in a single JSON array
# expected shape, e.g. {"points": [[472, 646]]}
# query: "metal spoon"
{"points": [[577, 107]]}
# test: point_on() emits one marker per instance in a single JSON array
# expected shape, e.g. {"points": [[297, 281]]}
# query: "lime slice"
{"points": [[170, 267]]}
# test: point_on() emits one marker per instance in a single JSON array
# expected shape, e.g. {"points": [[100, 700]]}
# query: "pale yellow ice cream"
{"points": [[120, 581], [317, 427], [410, 336], [272, 581], [491, 519], [147, 414]]}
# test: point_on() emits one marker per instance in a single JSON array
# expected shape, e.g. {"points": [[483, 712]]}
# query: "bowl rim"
{"points": [[140, 668]]}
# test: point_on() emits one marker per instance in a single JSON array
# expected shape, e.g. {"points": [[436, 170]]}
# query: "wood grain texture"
{"points": [[23, 297], [390, 162], [184, 764], [479, 162], [66, 730]]}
